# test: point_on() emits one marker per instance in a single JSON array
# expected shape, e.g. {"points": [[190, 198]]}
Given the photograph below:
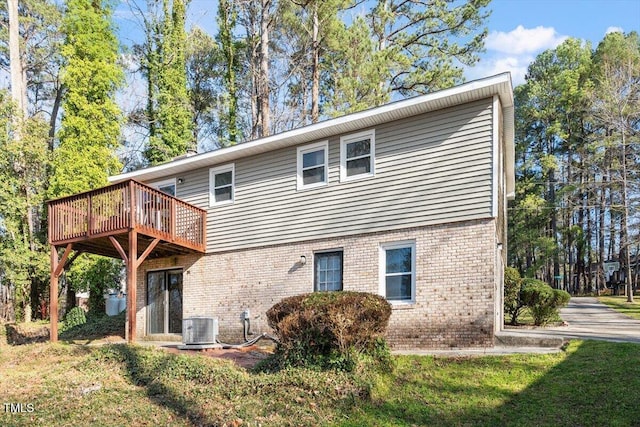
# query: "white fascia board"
{"points": [[510, 150], [478, 89], [495, 151]]}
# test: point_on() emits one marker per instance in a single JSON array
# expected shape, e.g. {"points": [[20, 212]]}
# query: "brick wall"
{"points": [[455, 283]]}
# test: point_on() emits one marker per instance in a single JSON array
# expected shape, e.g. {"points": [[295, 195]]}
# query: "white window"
{"points": [[221, 185], [398, 271], [328, 271], [312, 165], [357, 155], [167, 186]]}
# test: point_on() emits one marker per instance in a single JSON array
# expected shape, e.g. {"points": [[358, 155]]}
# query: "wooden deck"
{"points": [[90, 221]]}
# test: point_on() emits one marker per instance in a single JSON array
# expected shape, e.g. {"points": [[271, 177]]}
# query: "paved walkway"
{"points": [[587, 318]]}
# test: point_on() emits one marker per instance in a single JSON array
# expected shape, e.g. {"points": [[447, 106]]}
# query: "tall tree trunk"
{"points": [[227, 21], [315, 77], [591, 204], [613, 241], [263, 77], [54, 116], [601, 230], [568, 279], [151, 79], [636, 271], [19, 96], [18, 77], [625, 244], [553, 228], [251, 22]]}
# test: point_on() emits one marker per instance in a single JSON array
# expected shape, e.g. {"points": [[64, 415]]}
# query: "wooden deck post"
{"points": [[53, 296], [57, 266], [132, 263]]}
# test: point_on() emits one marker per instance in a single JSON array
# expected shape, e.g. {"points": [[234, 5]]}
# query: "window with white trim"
{"points": [[398, 271], [221, 185], [357, 155], [328, 271], [312, 165]]}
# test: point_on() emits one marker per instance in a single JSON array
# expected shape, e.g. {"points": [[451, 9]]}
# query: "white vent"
{"points": [[199, 330]]}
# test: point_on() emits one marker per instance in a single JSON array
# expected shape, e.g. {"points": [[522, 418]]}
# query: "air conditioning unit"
{"points": [[199, 330]]}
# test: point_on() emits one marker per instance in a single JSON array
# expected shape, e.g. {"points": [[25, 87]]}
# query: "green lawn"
{"points": [[619, 303], [591, 383]]}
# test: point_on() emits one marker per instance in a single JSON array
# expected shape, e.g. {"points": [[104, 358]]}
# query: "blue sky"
{"points": [[518, 29], [521, 29]]}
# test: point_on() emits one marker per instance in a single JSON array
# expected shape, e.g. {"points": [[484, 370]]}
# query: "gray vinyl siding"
{"points": [[429, 169]]}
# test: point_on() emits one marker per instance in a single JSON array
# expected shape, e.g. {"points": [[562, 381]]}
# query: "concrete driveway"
{"points": [[587, 318]]}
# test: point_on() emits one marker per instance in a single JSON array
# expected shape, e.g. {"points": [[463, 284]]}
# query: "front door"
{"points": [[164, 302]]}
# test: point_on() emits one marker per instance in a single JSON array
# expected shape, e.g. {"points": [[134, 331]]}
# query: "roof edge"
{"points": [[501, 82]]}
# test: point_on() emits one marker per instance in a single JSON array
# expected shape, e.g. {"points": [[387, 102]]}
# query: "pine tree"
{"points": [[420, 41], [617, 109], [577, 119], [311, 28]]}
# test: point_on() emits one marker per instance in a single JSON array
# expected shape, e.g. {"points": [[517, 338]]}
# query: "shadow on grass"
{"points": [[594, 383], [19, 334], [158, 373], [597, 384], [95, 328]]}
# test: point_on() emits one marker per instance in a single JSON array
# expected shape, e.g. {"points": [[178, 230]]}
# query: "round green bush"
{"points": [[542, 300], [329, 329], [75, 317]]}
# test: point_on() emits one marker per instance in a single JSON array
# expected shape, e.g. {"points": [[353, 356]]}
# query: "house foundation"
{"points": [[455, 283]]}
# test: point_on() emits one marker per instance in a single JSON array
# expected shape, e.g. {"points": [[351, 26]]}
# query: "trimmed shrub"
{"points": [[562, 297], [329, 329], [75, 317], [542, 300], [513, 304]]}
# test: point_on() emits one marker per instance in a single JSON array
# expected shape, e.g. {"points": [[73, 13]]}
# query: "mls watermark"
{"points": [[19, 408]]}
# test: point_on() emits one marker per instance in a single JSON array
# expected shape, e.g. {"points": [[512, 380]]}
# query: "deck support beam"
{"points": [[132, 269], [132, 262], [57, 266]]}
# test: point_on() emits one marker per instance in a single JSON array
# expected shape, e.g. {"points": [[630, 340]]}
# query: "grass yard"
{"points": [[591, 383], [619, 303]]}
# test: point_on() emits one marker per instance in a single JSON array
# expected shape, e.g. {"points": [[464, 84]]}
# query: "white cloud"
{"points": [[516, 65], [524, 40], [513, 51], [613, 30]]}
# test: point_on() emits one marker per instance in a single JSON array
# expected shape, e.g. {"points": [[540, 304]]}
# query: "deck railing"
{"points": [[108, 211]]}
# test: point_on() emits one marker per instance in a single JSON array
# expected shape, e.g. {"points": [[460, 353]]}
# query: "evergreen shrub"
{"points": [[542, 300], [75, 317], [330, 330], [513, 304]]}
